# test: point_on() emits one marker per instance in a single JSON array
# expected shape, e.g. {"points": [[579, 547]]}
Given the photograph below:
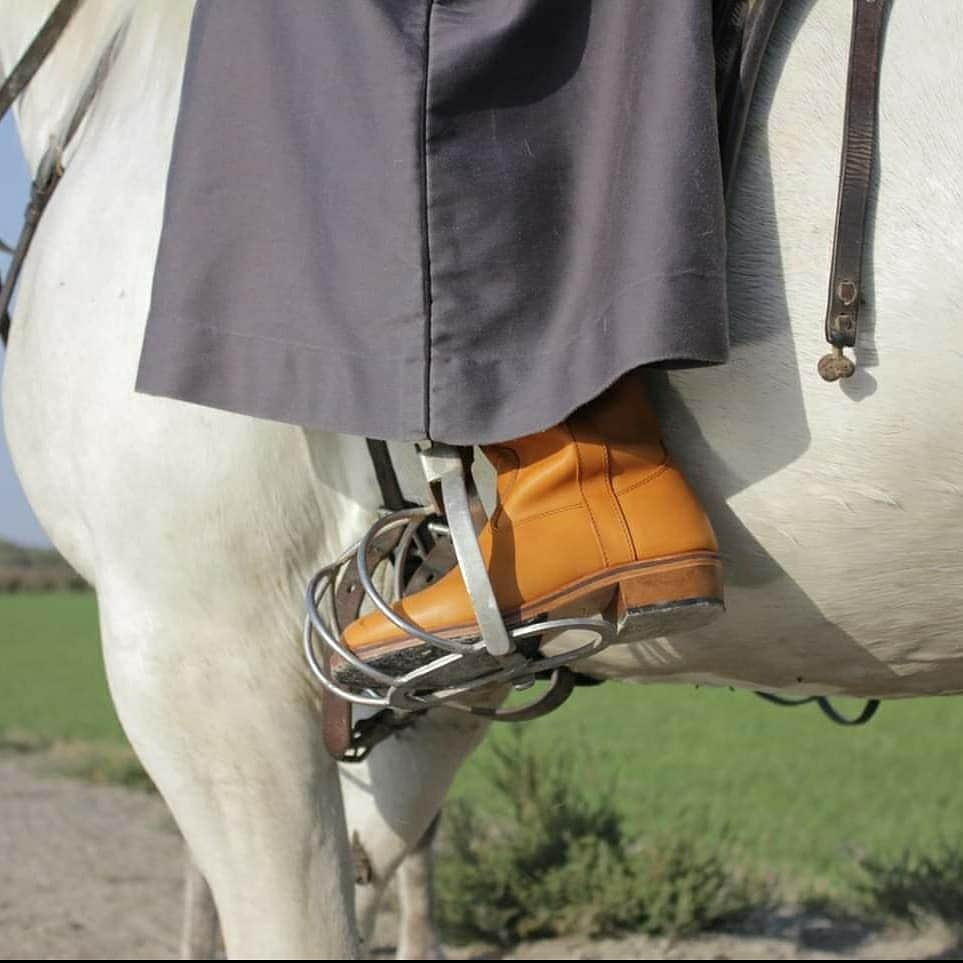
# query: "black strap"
{"points": [[392, 497], [826, 707]]}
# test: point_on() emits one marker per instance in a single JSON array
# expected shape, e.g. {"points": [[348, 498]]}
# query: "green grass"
{"points": [[52, 683], [803, 798]]}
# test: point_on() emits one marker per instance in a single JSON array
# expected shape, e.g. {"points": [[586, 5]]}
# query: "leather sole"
{"points": [[650, 599], [639, 609]]}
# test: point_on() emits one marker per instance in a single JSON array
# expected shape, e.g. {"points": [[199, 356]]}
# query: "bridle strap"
{"points": [[16, 81], [50, 169], [855, 176], [33, 57]]}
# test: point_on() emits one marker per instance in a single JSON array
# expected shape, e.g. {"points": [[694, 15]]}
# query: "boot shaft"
{"points": [[588, 511], [608, 459]]}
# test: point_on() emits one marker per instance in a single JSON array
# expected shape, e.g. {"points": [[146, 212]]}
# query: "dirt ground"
{"points": [[94, 872]]}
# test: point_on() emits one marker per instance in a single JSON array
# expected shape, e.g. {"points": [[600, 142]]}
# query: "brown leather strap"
{"points": [[856, 169], [340, 736], [336, 723], [345, 740], [438, 561]]}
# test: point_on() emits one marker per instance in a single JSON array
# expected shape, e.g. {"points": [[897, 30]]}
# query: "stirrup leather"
{"points": [[458, 511]]}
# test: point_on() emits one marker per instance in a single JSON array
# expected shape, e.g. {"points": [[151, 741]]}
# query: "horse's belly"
{"points": [[41, 430], [859, 599]]}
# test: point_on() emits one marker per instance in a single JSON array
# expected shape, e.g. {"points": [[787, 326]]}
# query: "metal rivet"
{"points": [[843, 323], [847, 291]]}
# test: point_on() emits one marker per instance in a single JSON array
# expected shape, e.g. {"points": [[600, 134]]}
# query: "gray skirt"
{"points": [[446, 219]]}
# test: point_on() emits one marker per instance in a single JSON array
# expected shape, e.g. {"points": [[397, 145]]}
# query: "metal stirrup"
{"points": [[445, 468], [509, 655]]}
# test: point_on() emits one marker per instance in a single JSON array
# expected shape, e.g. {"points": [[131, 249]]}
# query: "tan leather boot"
{"points": [[593, 512]]}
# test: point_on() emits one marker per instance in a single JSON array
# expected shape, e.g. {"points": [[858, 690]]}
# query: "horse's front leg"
{"points": [[199, 925], [214, 700], [384, 837], [391, 800], [418, 937]]}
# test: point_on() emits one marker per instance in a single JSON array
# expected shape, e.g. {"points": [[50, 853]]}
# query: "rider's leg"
{"points": [[590, 511]]}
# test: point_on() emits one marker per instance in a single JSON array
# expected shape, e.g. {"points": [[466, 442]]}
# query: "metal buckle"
{"points": [[457, 503]]}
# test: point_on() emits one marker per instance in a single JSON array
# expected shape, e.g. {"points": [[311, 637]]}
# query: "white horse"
{"points": [[838, 506]]}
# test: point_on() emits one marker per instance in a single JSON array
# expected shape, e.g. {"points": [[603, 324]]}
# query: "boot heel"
{"points": [[666, 600]]}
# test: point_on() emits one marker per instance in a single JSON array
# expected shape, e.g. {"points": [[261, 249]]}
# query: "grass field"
{"points": [[801, 798], [52, 680]]}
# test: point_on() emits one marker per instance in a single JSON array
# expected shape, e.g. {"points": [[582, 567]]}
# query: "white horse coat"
{"points": [[839, 507]]}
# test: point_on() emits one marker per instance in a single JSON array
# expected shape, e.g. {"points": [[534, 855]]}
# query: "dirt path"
{"points": [[86, 872], [94, 872]]}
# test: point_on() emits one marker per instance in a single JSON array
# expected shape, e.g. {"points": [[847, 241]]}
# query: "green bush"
{"points": [[915, 888], [549, 857]]}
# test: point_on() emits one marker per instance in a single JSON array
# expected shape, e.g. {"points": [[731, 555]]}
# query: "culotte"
{"points": [[445, 219]]}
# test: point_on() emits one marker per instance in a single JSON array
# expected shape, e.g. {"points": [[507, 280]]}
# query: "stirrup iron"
{"points": [[513, 650]]}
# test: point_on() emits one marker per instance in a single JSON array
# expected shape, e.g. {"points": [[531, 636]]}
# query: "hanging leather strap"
{"points": [[337, 727], [855, 176], [346, 740]]}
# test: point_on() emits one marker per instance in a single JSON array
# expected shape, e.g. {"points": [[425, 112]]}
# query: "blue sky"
{"points": [[17, 523]]}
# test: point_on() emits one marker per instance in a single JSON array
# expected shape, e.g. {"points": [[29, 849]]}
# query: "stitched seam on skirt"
{"points": [[286, 342], [594, 324], [426, 286]]}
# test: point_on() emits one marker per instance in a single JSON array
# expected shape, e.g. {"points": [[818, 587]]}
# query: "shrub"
{"points": [[547, 858], [915, 888]]}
